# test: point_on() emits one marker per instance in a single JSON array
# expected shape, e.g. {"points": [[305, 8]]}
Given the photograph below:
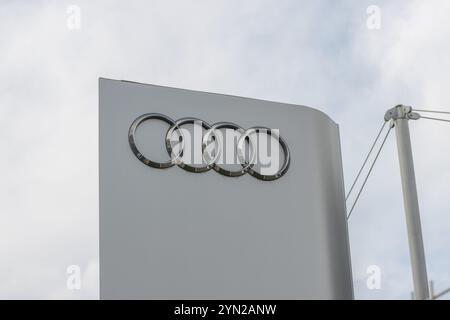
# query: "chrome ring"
{"points": [[176, 126], [215, 166], [287, 157], [131, 139]]}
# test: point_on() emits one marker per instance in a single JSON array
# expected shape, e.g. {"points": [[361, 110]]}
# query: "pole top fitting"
{"points": [[401, 112]]}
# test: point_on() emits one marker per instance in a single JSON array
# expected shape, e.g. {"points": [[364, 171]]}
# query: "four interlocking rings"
{"points": [[176, 157]]}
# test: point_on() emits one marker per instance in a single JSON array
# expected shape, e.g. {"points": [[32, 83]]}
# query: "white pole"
{"points": [[401, 116]]}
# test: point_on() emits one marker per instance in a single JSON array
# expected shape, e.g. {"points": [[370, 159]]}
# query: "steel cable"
{"points": [[369, 172], [365, 160], [437, 119]]}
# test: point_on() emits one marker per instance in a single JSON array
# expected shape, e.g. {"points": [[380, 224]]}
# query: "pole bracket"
{"points": [[401, 112]]}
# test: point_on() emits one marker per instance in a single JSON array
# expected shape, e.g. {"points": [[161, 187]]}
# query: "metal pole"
{"points": [[401, 117]]}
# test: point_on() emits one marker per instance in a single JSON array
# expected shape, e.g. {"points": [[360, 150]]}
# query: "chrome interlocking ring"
{"points": [[210, 136], [131, 139], [287, 154], [169, 134]]}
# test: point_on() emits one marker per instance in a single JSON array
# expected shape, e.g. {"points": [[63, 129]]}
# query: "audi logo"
{"points": [[241, 145]]}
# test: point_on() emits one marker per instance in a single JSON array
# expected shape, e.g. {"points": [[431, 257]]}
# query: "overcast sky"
{"points": [[316, 53]]}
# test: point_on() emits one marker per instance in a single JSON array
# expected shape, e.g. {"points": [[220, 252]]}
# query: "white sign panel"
{"points": [[209, 196]]}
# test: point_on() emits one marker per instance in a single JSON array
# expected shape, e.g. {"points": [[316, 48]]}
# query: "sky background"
{"points": [[316, 53]]}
